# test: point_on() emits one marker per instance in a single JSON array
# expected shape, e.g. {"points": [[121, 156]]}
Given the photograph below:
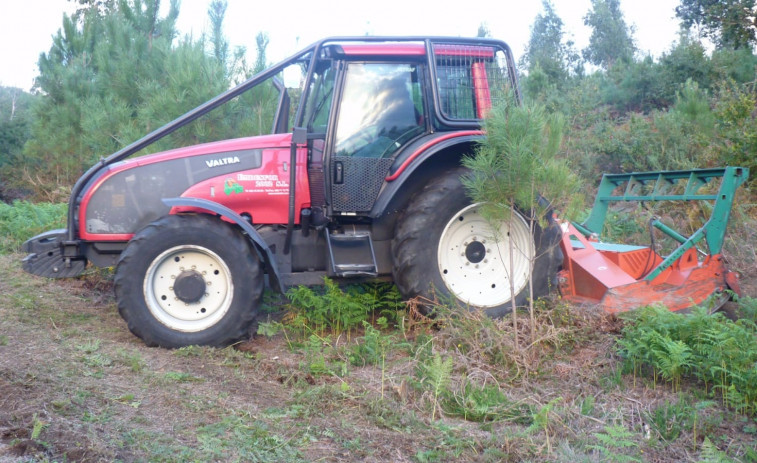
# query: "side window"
{"points": [[456, 91], [470, 79], [319, 100], [381, 109]]}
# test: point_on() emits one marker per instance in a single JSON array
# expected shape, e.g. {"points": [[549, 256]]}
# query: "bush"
{"points": [[22, 220]]}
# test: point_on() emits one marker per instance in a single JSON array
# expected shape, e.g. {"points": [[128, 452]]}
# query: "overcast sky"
{"points": [[27, 26]]}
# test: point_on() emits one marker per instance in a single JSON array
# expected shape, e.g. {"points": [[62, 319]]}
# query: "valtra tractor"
{"points": [[360, 179]]}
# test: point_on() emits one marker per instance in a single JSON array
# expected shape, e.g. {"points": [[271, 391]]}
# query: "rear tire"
{"points": [[188, 280], [443, 248]]}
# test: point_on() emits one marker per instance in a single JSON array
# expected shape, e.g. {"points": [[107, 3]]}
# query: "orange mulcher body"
{"points": [[622, 277]]}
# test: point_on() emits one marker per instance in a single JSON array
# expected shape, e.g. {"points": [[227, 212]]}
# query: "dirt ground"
{"points": [[76, 385]]}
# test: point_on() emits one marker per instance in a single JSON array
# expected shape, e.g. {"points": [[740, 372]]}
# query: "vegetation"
{"points": [[716, 352], [21, 220], [337, 373]]}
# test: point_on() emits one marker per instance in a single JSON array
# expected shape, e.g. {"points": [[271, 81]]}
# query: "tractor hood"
{"points": [[125, 196]]}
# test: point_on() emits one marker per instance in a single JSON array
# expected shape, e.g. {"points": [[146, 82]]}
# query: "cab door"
{"points": [[380, 110]]}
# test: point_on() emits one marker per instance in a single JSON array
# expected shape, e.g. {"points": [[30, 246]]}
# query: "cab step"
{"points": [[351, 254]]}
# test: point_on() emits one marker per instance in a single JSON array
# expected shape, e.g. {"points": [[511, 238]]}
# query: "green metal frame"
{"points": [[682, 185]]}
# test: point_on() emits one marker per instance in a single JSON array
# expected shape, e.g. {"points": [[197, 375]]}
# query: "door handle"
{"points": [[338, 172]]}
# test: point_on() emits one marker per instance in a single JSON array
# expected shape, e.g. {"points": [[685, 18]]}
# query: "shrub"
{"points": [[22, 220]]}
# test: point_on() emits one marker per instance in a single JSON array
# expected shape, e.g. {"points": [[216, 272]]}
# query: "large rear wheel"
{"points": [[186, 280], [443, 248]]}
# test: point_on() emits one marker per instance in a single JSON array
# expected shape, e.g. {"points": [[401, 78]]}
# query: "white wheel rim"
{"points": [[171, 311], [474, 265]]}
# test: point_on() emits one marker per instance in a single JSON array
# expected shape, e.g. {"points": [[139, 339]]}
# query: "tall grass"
{"points": [[22, 220]]}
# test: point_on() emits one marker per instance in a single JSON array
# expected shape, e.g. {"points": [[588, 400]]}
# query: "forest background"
{"points": [[118, 69]]}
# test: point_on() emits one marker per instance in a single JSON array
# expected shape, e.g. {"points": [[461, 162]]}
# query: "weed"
{"points": [[269, 329], [89, 347], [669, 420], [240, 439], [543, 418], [437, 374], [332, 309], [132, 360], [390, 415], [711, 453], [485, 403], [179, 377], [587, 405], [189, 351], [373, 349], [615, 443], [3, 340], [37, 427], [710, 348]]}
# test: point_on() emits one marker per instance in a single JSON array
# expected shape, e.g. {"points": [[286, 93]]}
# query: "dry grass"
{"points": [[75, 385]]}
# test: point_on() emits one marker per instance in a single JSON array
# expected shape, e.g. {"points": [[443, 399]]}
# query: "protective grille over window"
{"points": [[470, 79]]}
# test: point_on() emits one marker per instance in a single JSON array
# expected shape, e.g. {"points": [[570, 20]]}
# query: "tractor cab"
{"points": [[371, 105]]}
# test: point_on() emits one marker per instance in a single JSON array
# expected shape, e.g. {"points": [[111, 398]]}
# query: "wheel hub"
{"points": [[475, 252], [189, 286]]}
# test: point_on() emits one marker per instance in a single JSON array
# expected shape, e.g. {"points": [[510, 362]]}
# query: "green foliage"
{"points": [[518, 162], [547, 52], [669, 420], [437, 375], [22, 220], [718, 352], [736, 113], [610, 39], [487, 402], [115, 73], [542, 420], [711, 453], [635, 86], [15, 118], [241, 438], [331, 308], [615, 443], [730, 23], [374, 346]]}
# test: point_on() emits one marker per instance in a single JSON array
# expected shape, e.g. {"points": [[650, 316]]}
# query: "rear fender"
{"points": [[261, 247], [417, 169]]}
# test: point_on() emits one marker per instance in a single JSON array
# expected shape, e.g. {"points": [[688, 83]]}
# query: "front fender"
{"points": [[261, 246]]}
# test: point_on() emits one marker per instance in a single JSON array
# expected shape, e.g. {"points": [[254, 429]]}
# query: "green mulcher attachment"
{"points": [[623, 277]]}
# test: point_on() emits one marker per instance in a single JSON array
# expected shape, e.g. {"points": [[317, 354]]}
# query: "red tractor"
{"points": [[365, 184]]}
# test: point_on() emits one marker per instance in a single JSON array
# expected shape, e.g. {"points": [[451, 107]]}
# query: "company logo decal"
{"points": [[222, 161], [230, 186]]}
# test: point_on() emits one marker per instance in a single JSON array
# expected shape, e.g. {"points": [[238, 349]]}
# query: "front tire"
{"points": [[443, 248], [188, 280]]}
